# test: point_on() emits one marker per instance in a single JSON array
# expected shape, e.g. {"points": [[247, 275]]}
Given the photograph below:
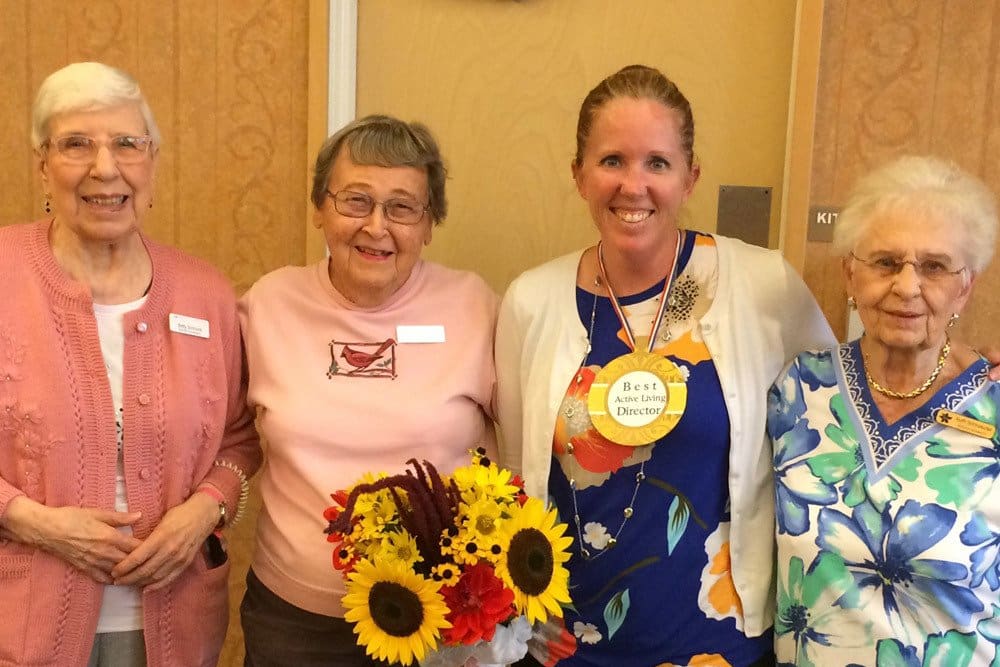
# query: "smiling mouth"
{"points": [[105, 200], [632, 215], [371, 252], [905, 318]]}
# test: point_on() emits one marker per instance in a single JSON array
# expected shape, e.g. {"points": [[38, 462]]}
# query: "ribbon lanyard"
{"points": [[668, 283]]}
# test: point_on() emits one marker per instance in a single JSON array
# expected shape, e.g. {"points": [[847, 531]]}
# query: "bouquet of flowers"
{"points": [[443, 568]]}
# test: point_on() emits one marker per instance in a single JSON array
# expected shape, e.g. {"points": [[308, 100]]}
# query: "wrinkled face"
{"points": [[634, 174], [371, 257], [908, 310], [99, 200]]}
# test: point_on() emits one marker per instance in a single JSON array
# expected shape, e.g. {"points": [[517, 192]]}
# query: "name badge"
{"points": [[189, 326], [420, 333], [965, 424]]}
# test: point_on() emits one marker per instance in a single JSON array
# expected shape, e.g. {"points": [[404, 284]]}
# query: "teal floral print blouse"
{"points": [[888, 534]]}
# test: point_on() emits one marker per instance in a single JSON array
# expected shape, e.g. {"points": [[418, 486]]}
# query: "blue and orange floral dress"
{"points": [[888, 534], [656, 588]]}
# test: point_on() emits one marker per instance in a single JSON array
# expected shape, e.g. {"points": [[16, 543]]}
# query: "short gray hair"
{"points": [[384, 141], [86, 87], [922, 184]]}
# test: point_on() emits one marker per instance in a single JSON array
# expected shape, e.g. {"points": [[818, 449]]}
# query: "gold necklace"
{"points": [[942, 357]]}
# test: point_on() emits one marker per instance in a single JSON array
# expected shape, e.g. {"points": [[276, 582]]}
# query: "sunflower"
{"points": [[532, 564], [397, 614]]}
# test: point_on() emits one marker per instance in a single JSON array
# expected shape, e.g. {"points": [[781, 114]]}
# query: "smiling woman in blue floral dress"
{"points": [[672, 562], [886, 453]]}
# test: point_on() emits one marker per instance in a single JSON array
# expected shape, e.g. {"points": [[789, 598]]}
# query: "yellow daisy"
{"points": [[377, 508], [485, 482], [447, 573], [449, 543], [532, 564], [467, 548], [397, 614], [400, 546], [483, 519]]}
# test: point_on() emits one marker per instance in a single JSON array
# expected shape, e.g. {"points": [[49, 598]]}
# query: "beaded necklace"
{"points": [[640, 477]]}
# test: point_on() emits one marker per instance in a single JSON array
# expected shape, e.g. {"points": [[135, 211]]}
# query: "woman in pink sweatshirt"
{"points": [[125, 439], [358, 362]]}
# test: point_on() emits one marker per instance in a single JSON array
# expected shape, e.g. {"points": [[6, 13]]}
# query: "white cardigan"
{"points": [[762, 316]]}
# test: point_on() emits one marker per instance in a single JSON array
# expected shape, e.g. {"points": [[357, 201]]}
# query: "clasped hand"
{"points": [[90, 540]]}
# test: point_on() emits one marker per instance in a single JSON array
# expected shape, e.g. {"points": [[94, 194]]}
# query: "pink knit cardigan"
{"points": [[184, 409]]}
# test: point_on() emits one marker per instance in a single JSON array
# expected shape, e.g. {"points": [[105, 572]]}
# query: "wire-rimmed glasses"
{"points": [[931, 270], [81, 149], [401, 210]]}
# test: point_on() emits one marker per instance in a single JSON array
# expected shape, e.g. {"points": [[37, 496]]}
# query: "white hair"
{"points": [[86, 87], [928, 186]]}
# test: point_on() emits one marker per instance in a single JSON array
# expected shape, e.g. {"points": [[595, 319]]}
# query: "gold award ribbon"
{"points": [[965, 424], [639, 397]]}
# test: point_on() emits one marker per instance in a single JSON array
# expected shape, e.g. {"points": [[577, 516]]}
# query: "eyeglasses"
{"points": [[400, 210], [931, 270], [81, 149]]}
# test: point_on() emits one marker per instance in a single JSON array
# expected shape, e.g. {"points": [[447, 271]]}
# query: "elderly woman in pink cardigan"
{"points": [[125, 440]]}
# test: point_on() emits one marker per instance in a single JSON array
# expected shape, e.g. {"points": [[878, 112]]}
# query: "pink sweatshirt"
{"points": [[184, 407], [336, 400]]}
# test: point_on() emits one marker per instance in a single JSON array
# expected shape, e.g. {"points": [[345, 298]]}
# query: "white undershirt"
{"points": [[121, 608]]}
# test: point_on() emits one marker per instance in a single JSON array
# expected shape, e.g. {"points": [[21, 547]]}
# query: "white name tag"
{"points": [[420, 333], [190, 326]]}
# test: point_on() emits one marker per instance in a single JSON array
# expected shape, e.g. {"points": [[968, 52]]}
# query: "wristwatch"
{"points": [[223, 514], [217, 496]]}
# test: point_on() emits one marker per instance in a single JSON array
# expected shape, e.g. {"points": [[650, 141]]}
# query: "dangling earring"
{"points": [[851, 303], [953, 319], [48, 205]]}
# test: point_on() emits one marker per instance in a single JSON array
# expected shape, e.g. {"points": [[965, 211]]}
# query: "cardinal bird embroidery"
{"points": [[373, 360]]}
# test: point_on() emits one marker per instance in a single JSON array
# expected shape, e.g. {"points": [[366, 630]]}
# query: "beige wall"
{"points": [[238, 87], [500, 83], [916, 76]]}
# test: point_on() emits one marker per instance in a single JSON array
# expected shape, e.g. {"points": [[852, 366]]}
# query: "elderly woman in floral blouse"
{"points": [[886, 454]]}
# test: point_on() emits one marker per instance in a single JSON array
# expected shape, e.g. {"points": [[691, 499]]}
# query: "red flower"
{"points": [[343, 558], [517, 481], [522, 497], [331, 514], [475, 605]]}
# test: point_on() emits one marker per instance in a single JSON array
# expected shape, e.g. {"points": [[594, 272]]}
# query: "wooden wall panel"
{"points": [[226, 80], [20, 200], [906, 77], [500, 84]]}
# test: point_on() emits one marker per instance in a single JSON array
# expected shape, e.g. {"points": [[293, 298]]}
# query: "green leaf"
{"points": [[955, 649], [678, 516], [954, 483], [615, 612]]}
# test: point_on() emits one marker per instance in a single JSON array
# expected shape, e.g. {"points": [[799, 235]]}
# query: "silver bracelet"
{"points": [[241, 504]]}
